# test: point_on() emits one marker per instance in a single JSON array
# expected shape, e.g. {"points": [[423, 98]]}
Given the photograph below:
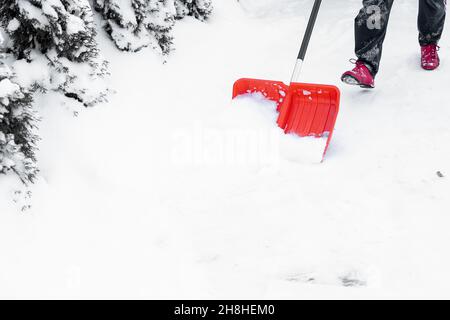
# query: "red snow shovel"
{"points": [[304, 109]]}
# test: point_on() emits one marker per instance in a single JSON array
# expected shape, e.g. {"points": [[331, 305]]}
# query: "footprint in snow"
{"points": [[347, 279], [22, 199], [301, 277], [352, 279]]}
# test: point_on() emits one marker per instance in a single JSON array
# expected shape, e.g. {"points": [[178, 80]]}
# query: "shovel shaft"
{"points": [[306, 39], [309, 29]]}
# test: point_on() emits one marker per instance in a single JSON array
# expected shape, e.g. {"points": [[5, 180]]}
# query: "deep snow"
{"points": [[116, 214]]}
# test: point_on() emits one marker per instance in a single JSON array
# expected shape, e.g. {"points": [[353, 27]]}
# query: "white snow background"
{"points": [[138, 199]]}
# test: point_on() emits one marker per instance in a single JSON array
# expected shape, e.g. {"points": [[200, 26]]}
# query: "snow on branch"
{"points": [[64, 32], [135, 24], [17, 126], [200, 9]]}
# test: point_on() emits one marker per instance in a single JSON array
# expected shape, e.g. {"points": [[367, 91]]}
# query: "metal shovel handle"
{"points": [[306, 39]]}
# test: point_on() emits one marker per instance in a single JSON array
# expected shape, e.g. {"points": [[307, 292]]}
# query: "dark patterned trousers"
{"points": [[372, 22]]}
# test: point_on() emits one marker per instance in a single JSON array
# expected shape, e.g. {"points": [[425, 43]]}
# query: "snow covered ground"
{"points": [[136, 200]]}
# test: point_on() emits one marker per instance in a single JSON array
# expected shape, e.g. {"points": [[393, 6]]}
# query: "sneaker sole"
{"points": [[429, 68], [352, 81]]}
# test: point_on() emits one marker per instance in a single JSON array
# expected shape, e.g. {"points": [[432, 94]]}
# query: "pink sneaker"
{"points": [[430, 57], [359, 76]]}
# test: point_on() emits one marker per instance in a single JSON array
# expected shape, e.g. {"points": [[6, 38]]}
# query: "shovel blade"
{"points": [[272, 90], [304, 109]]}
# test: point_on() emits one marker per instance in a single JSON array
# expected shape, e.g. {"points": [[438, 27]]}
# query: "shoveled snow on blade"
{"points": [[302, 149], [256, 112]]}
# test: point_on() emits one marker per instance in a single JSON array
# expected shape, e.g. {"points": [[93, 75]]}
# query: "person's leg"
{"points": [[370, 32], [431, 21]]}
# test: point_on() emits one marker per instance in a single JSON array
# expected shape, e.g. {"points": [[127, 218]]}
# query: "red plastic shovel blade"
{"points": [[305, 109], [273, 90]]}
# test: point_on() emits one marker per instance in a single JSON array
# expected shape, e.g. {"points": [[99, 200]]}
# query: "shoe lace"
{"points": [[432, 51], [358, 64]]}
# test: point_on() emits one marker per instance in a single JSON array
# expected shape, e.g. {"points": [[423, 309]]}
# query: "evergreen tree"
{"points": [[62, 30], [200, 9], [135, 24], [17, 123]]}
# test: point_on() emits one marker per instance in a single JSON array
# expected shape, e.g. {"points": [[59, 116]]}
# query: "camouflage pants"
{"points": [[372, 21]]}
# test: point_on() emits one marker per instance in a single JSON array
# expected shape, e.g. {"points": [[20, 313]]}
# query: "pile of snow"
{"points": [[303, 149], [254, 113]]}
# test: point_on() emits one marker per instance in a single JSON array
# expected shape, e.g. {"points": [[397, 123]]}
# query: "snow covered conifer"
{"points": [[135, 24], [62, 30], [200, 9], [17, 123]]}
